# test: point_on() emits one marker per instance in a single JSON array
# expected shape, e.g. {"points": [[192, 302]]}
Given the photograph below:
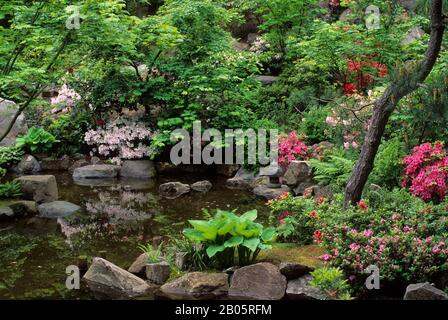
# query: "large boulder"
{"points": [[261, 281], [196, 286], [139, 169], [243, 179], [412, 35], [300, 289], [99, 171], [109, 280], [298, 172], [39, 188], [263, 191], [424, 291], [57, 209], [28, 164], [7, 112], [202, 186], [173, 190]]}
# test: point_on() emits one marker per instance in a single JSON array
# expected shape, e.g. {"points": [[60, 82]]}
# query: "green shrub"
{"points": [[334, 170], [36, 140], [196, 258], [226, 235], [332, 282], [10, 190], [154, 254]]}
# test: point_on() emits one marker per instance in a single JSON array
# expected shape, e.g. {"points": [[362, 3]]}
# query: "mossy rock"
{"points": [[284, 252]]}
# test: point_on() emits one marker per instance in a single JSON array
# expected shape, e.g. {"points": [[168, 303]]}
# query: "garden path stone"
{"points": [[424, 291], [39, 188], [261, 281], [110, 281], [196, 286], [57, 209]]}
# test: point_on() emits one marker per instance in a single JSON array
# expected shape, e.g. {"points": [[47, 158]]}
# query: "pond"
{"points": [[116, 217]]}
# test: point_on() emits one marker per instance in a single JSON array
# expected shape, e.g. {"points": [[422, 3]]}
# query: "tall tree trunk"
{"points": [[401, 86]]}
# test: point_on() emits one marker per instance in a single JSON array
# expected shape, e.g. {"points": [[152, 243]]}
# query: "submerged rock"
{"points": [[300, 289], [138, 169], [109, 280], [201, 186], [264, 191], [261, 281], [96, 171], [39, 188], [424, 291], [57, 209], [173, 190], [196, 286]]}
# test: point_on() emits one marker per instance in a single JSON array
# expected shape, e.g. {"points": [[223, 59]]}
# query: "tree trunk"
{"points": [[385, 105]]}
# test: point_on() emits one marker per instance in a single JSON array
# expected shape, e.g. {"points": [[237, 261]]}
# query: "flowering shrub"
{"points": [[120, 139], [291, 147], [426, 172], [361, 73], [66, 96]]}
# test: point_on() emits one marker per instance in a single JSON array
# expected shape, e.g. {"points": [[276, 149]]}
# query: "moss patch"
{"points": [[305, 255]]}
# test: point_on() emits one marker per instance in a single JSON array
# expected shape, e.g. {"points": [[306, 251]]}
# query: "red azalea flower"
{"points": [[320, 200], [362, 205], [285, 195], [313, 215], [317, 236]]}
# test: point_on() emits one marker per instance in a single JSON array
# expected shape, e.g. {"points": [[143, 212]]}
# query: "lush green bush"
{"points": [[9, 156], [10, 190], [331, 281], [36, 140], [227, 235]]}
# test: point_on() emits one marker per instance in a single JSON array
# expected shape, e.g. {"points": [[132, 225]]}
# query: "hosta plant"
{"points": [[228, 235], [36, 140]]}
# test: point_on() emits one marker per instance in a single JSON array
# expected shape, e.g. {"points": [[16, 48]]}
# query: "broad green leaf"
{"points": [[213, 250], [250, 215], [269, 234], [234, 241], [251, 243], [193, 234]]}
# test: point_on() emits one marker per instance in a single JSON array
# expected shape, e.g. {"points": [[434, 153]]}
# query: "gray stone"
{"points": [[96, 171], [6, 214], [173, 190], [292, 270], [111, 281], [227, 170], [57, 209], [50, 164], [408, 4], [424, 291], [28, 164], [298, 172], [267, 193], [197, 286], [78, 164], [261, 281], [413, 35], [139, 169], [158, 273], [251, 37], [7, 112], [301, 187], [242, 180], [300, 289], [39, 188], [201, 186], [138, 267], [267, 80]]}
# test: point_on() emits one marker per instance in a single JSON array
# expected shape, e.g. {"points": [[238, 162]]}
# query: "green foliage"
{"points": [[313, 124], [196, 258], [9, 156], [333, 170], [10, 190], [332, 282], [154, 254], [227, 235], [36, 140]]}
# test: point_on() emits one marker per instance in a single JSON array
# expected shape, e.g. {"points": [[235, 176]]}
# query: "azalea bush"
{"points": [[120, 139], [290, 148], [227, 235], [426, 172]]}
